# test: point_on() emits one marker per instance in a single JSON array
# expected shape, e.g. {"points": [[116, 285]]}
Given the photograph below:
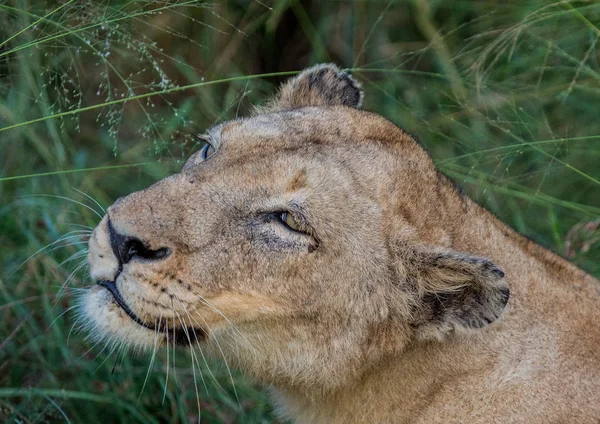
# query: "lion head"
{"points": [[302, 243]]}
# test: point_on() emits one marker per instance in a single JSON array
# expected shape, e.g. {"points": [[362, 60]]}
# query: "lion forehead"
{"points": [[334, 124]]}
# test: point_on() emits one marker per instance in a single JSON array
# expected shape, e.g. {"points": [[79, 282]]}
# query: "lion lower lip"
{"points": [[179, 336]]}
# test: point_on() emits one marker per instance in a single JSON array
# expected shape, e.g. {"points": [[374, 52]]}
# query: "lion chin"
{"points": [[107, 323]]}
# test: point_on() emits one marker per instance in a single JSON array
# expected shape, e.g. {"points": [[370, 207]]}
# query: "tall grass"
{"points": [[100, 99]]}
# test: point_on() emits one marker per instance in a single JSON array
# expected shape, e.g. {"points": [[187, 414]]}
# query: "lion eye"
{"points": [[207, 151], [289, 220]]}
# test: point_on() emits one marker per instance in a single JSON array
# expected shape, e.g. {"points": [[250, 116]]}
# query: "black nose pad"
{"points": [[126, 247]]}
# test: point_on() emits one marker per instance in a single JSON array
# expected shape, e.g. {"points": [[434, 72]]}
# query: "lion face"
{"points": [[301, 244]]}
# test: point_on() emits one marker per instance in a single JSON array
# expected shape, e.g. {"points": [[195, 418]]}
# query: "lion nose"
{"points": [[126, 248]]}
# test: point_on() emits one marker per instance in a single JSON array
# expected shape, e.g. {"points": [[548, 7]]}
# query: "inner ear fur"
{"points": [[319, 85], [453, 291]]}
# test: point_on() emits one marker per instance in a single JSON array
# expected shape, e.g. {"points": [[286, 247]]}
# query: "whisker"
{"points": [[73, 328], [106, 345], [83, 235], [193, 369], [73, 257], [239, 333], [114, 346], [87, 227], [174, 364], [167, 374], [39, 251], [19, 302], [222, 354], [91, 198], [79, 289], [65, 198], [185, 329], [112, 371], [214, 308], [67, 243], [62, 288], [70, 308], [200, 348], [151, 364], [121, 352], [15, 331], [96, 343]]}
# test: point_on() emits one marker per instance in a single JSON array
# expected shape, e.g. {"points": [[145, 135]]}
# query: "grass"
{"points": [[100, 99]]}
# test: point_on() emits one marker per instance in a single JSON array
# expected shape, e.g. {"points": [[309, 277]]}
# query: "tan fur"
{"points": [[389, 306]]}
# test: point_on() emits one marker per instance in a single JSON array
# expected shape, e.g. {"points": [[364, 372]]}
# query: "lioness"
{"points": [[315, 246]]}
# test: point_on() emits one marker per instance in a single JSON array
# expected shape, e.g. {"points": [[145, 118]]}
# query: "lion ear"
{"points": [[454, 291], [319, 85]]}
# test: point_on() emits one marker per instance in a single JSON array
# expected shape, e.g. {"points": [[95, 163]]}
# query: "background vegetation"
{"points": [[100, 98]]}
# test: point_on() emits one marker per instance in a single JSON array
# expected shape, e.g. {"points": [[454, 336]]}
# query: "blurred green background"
{"points": [[101, 98]]}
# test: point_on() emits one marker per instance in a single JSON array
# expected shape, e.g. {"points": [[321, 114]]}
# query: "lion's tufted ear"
{"points": [[453, 291], [319, 85]]}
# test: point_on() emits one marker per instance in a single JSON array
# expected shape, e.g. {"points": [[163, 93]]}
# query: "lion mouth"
{"points": [[180, 336]]}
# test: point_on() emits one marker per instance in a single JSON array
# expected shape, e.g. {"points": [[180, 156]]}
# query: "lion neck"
{"points": [[416, 376]]}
